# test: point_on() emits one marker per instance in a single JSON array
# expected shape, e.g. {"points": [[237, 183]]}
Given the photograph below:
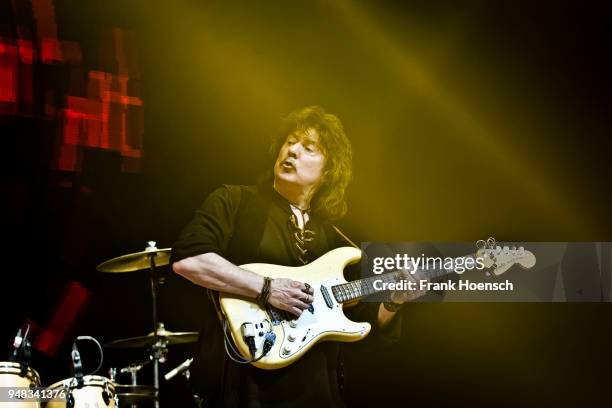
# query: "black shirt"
{"points": [[253, 224]]}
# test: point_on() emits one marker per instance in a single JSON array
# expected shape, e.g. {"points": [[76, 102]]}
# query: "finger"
{"points": [[301, 305], [308, 289], [303, 287], [308, 299], [295, 311], [303, 296], [414, 278]]}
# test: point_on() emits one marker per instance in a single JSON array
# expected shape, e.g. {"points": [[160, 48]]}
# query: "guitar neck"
{"points": [[361, 288]]}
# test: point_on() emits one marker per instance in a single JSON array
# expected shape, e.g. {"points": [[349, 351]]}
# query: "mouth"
{"points": [[287, 165]]}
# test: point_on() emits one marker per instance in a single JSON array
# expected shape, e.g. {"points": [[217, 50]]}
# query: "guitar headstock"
{"points": [[498, 258]]}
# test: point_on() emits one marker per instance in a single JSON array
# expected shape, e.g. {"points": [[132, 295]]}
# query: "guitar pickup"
{"points": [[326, 297]]}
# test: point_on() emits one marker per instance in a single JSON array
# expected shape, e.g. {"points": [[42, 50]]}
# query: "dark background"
{"points": [[467, 120]]}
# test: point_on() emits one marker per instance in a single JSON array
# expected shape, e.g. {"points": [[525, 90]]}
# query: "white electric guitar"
{"points": [[271, 339]]}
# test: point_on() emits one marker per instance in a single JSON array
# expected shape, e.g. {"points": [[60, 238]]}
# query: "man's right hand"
{"points": [[291, 296], [214, 272]]}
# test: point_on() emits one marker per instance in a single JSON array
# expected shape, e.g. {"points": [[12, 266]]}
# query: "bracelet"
{"points": [[262, 299], [392, 307]]}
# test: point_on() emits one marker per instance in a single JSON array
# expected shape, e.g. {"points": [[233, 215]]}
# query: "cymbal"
{"points": [[171, 338], [128, 393], [136, 261]]}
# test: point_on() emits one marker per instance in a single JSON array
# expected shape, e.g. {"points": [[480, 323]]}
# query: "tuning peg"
{"points": [[491, 242], [506, 249], [498, 249], [513, 248]]}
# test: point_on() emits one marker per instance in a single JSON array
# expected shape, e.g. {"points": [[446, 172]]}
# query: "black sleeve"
{"points": [[212, 226]]}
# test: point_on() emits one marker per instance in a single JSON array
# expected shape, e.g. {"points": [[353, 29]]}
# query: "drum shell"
{"points": [[90, 395], [9, 377]]}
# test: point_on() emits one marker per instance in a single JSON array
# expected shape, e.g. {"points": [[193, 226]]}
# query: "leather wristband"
{"points": [[262, 299]]}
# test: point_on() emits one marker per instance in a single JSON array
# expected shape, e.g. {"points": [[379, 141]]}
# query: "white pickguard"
{"points": [[297, 334]]}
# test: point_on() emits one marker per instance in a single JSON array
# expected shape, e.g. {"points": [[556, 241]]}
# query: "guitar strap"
{"points": [[347, 239]]}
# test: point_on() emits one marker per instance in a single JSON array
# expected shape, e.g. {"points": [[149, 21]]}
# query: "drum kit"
{"points": [[83, 391]]}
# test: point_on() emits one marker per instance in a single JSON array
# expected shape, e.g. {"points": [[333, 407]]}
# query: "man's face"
{"points": [[300, 160]]}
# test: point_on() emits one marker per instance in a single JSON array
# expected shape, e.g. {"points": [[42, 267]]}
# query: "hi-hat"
{"points": [[136, 261], [168, 337]]}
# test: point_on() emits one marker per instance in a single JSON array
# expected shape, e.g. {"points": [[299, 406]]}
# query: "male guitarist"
{"points": [[284, 220]]}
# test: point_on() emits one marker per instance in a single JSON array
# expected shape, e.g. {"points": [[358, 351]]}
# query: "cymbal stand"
{"points": [[159, 348]]}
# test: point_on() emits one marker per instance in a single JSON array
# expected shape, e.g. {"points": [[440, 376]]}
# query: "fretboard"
{"points": [[361, 288]]}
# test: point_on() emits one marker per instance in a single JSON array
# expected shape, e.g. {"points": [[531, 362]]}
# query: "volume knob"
{"points": [[291, 337], [293, 324], [286, 351]]}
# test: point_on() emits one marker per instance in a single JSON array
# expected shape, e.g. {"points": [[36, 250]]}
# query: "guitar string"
{"points": [[347, 294]]}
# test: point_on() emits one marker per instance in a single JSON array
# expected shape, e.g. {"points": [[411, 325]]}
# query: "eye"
{"points": [[312, 148]]}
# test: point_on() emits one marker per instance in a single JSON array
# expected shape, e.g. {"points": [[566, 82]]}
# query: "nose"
{"points": [[294, 149]]}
